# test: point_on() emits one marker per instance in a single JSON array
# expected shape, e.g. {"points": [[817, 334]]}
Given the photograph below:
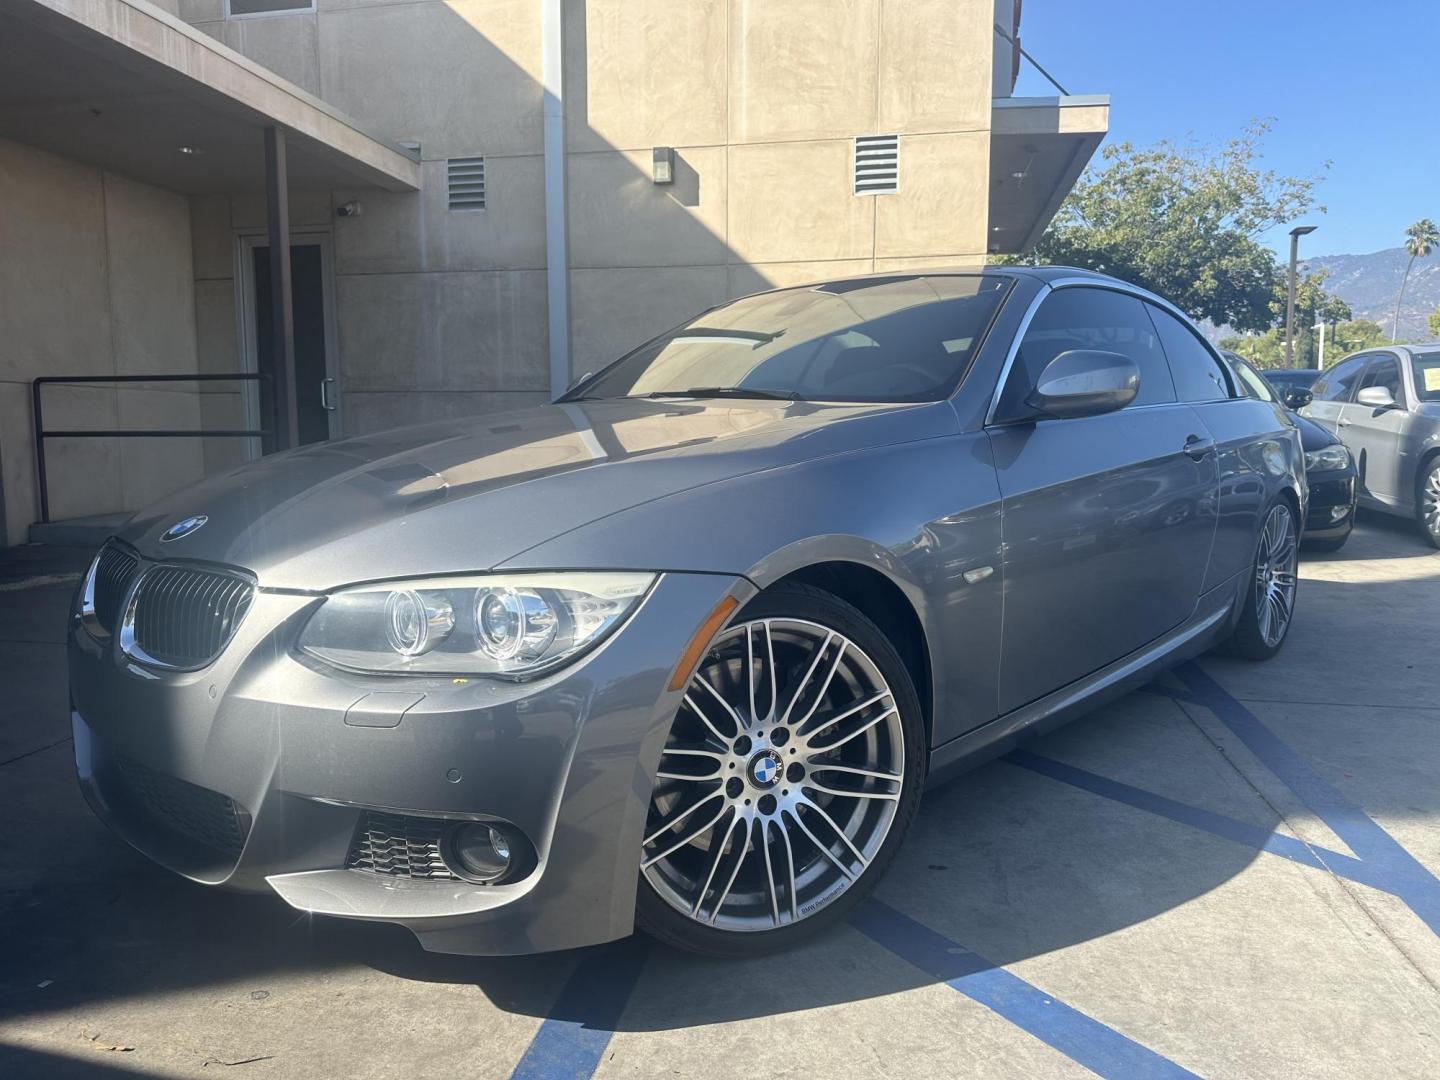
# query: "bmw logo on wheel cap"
{"points": [[183, 528], [765, 769]]}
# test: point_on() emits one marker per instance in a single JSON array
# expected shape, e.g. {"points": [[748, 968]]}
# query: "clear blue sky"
{"points": [[1355, 83]]}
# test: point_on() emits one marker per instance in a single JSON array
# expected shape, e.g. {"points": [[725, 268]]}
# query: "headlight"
{"points": [[495, 624], [1327, 458]]}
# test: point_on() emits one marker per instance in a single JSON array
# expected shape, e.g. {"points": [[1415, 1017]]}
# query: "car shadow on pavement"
{"points": [[1005, 862]]}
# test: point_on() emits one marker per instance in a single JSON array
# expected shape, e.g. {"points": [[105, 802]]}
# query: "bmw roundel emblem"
{"points": [[765, 768], [183, 528]]}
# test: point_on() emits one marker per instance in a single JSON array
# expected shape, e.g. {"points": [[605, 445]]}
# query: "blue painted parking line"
{"points": [[1379, 860], [1097, 1047], [573, 1038], [1252, 836], [571, 1042], [1387, 861]]}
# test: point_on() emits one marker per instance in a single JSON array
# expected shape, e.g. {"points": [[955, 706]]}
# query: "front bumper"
{"points": [[251, 777], [1331, 511]]}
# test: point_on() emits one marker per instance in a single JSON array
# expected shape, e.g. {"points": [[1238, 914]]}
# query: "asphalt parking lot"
{"points": [[1229, 873]]}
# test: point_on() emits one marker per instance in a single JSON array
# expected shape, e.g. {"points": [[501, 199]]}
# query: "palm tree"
{"points": [[1420, 239]]}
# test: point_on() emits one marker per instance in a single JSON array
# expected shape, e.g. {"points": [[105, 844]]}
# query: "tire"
{"points": [[1262, 631], [765, 753], [1427, 501], [1330, 543]]}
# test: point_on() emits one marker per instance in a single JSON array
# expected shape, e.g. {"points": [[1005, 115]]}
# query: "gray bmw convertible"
{"points": [[682, 649]]}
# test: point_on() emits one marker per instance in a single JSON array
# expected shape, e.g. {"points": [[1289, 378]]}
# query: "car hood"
{"points": [[1312, 435], [467, 495]]}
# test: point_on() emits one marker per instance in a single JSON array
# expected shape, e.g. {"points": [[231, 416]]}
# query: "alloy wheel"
{"points": [[780, 780], [1430, 503], [1275, 566]]}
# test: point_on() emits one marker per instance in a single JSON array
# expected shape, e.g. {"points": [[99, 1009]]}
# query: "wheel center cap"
{"points": [[765, 769]]}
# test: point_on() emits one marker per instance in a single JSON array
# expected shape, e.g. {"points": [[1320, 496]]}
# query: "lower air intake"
{"points": [[400, 845], [179, 808]]}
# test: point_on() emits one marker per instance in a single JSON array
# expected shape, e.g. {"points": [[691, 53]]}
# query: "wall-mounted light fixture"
{"points": [[664, 159]]}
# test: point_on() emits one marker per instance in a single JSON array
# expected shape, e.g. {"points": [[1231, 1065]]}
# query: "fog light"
{"points": [[1338, 512], [480, 852]]}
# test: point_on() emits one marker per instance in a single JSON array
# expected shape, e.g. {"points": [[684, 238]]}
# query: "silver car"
{"points": [[1385, 406], [683, 648]]}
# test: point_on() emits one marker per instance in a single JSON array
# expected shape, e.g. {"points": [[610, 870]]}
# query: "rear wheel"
{"points": [[1270, 592], [792, 770], [1428, 503]]}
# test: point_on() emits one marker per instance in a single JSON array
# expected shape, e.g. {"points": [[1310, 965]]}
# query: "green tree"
{"points": [[1267, 350], [1420, 239], [1312, 305], [1183, 221], [1433, 321]]}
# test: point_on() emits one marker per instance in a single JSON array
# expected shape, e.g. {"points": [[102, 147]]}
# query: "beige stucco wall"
{"points": [[444, 313], [96, 279], [762, 99]]}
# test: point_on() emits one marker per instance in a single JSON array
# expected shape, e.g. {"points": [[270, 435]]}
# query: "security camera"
{"points": [[349, 209]]}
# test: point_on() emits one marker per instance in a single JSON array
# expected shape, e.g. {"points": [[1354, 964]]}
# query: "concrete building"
{"points": [[485, 198]]}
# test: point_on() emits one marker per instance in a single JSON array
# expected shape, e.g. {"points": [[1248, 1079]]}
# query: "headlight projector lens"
{"points": [[413, 626], [514, 623]]}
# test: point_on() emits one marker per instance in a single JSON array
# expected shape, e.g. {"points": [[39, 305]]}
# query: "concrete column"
{"points": [[557, 253], [282, 312]]}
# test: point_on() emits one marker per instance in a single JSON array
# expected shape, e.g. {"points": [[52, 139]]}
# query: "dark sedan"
{"points": [[1329, 466]]}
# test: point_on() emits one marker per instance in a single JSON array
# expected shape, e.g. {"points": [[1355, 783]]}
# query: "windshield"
{"points": [[877, 339], [1426, 366]]}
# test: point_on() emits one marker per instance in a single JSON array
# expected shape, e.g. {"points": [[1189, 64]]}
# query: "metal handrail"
{"points": [[151, 433]]}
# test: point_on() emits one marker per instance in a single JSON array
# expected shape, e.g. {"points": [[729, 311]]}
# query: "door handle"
{"points": [[327, 399], [1196, 447], [1342, 422]]}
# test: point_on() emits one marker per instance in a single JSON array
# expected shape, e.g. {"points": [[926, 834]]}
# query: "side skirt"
{"points": [[1213, 620]]}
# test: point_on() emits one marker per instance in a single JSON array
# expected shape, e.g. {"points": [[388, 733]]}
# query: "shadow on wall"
{"points": [[443, 313]]}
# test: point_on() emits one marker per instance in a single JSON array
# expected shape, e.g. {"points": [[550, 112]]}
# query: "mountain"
{"points": [[1368, 283]]}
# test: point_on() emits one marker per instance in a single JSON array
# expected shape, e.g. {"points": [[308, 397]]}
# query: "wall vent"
{"points": [[877, 164], [465, 179]]}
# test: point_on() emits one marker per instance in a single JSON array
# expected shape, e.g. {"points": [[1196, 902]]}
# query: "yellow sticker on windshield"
{"points": [[1432, 379]]}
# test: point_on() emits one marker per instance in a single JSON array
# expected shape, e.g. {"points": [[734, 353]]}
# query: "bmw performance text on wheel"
{"points": [[791, 773]]}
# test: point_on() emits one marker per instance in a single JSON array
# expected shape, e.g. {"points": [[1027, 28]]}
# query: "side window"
{"points": [[1081, 317], [1384, 371], [1338, 384], [1196, 372]]}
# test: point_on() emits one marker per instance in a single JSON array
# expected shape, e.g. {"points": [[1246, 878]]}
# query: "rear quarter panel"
{"points": [[1259, 457]]}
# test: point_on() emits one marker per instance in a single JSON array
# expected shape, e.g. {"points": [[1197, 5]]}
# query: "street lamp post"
{"points": [[1320, 329], [1295, 234]]}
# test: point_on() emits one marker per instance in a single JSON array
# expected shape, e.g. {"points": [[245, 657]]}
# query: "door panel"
{"points": [[1373, 435], [1108, 525], [1332, 391]]}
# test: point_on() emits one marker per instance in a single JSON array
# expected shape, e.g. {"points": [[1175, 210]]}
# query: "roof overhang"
{"points": [[124, 85], [1038, 148]]}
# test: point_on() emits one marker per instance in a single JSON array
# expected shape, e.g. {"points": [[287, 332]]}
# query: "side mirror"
{"points": [[1297, 397], [1376, 397], [1085, 382]]}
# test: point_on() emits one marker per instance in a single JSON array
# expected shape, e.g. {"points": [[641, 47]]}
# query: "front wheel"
{"points": [[1270, 592], [1428, 503], [793, 768]]}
